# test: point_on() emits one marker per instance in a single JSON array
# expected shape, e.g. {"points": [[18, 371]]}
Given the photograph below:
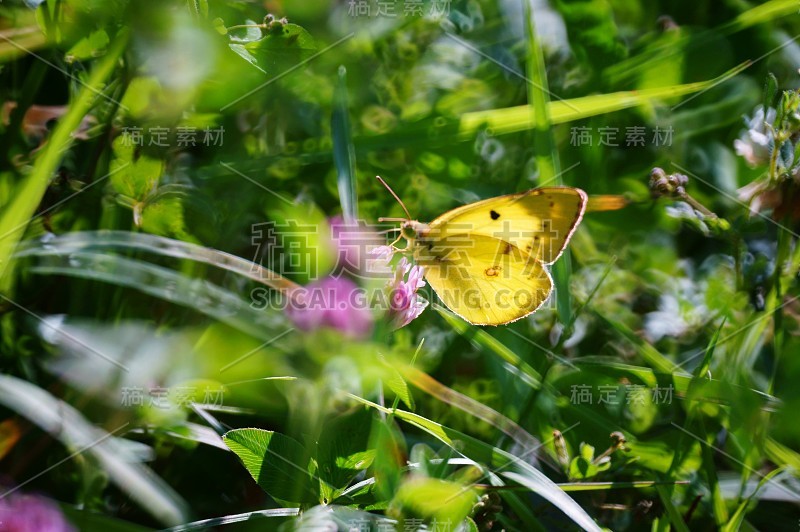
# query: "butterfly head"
{"points": [[412, 229]]}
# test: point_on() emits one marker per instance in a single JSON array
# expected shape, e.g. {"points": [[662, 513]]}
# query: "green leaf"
{"points": [[144, 93], [770, 90], [278, 50], [509, 465], [646, 350], [164, 217], [278, 463], [399, 386], [470, 526], [434, 499], [587, 452], [90, 46], [132, 177], [583, 466], [342, 452], [390, 452], [219, 26], [578, 468], [85, 261]]}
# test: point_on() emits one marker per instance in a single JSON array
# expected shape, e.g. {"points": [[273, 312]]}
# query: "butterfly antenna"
{"points": [[395, 197]]}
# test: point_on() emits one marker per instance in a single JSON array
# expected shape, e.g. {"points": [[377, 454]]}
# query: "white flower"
{"points": [[755, 143]]}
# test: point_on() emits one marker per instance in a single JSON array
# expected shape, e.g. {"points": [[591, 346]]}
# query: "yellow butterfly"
{"points": [[486, 260]]}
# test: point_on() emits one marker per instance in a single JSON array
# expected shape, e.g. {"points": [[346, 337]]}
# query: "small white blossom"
{"points": [[755, 143]]}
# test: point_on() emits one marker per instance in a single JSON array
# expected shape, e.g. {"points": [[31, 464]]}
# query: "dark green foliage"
{"points": [[153, 152]]}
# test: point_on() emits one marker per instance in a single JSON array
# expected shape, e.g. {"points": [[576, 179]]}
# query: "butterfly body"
{"points": [[486, 260]]}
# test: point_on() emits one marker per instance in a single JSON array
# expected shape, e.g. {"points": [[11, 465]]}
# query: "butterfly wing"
{"points": [[539, 222], [484, 280]]}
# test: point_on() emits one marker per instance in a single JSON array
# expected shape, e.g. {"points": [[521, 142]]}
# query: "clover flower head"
{"points": [[382, 252], [25, 512], [332, 303], [406, 304]]}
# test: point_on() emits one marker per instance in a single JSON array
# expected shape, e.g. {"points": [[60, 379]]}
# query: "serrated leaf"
{"points": [[278, 463], [342, 451], [136, 179], [133, 177], [165, 217]]}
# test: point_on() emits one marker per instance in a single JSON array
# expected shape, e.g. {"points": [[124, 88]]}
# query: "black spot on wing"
{"points": [[494, 214]]}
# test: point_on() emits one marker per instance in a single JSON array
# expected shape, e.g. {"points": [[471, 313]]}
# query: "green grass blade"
{"points": [[600, 486], [483, 340], [781, 455], [760, 14], [344, 154], [702, 369], [685, 386], [223, 305], [649, 353], [501, 462], [70, 427], [545, 150], [675, 518], [718, 505], [206, 524], [515, 119], [156, 245], [544, 145], [15, 216], [738, 517], [447, 395]]}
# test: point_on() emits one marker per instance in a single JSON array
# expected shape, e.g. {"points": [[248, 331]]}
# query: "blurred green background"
{"points": [[149, 148]]}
